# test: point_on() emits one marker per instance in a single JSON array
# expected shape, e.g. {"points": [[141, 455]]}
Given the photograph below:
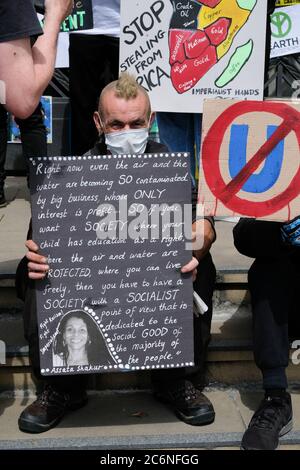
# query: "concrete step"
{"points": [[135, 420]]}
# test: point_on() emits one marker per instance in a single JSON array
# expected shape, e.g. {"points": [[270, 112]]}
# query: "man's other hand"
{"points": [[191, 266], [37, 264]]}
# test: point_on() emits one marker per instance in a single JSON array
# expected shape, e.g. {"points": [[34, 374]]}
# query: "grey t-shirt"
{"points": [[18, 20]]}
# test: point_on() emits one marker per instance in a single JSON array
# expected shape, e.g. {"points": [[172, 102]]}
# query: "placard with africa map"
{"points": [[185, 51]]}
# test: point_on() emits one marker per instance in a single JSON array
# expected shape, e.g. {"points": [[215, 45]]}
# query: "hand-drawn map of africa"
{"points": [[182, 49], [198, 42]]}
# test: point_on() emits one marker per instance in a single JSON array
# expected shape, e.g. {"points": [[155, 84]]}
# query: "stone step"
{"points": [[135, 420]]}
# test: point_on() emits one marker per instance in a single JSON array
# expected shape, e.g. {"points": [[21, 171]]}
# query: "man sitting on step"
{"points": [[124, 110], [273, 283]]}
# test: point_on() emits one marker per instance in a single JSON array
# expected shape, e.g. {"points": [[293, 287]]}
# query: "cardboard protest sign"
{"points": [[183, 52], [250, 159], [114, 230], [285, 29]]}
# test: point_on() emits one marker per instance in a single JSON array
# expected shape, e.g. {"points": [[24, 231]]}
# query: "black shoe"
{"points": [[272, 420], [188, 403], [48, 409], [3, 201]]}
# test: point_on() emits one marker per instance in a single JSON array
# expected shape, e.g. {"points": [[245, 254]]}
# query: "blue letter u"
{"points": [[237, 159]]}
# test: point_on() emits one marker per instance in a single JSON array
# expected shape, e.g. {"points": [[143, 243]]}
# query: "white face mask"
{"points": [[127, 142]]}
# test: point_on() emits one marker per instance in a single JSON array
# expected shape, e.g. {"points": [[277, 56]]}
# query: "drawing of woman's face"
{"points": [[76, 333]]}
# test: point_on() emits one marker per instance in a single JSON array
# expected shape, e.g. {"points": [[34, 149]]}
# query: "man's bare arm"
{"points": [[27, 71]]}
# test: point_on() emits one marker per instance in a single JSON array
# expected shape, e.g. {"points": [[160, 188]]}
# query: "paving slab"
{"points": [[124, 420], [135, 420]]}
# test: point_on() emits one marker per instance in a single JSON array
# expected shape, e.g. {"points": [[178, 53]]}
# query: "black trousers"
{"points": [[274, 288], [33, 134], [33, 137], [94, 62], [204, 285]]}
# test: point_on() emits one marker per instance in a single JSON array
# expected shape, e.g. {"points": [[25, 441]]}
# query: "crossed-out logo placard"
{"points": [[252, 167]]}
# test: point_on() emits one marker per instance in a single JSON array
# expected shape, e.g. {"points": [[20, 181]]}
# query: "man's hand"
{"points": [[290, 232], [59, 9], [191, 266], [203, 232], [37, 264]]}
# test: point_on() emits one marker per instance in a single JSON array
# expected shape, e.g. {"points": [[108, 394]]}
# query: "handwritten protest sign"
{"points": [[114, 230], [183, 52], [250, 159]]}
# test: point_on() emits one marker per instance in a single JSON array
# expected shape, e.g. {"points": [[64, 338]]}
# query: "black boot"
{"points": [[188, 403], [49, 408]]}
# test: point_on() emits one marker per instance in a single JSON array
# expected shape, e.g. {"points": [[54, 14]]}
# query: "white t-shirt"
{"points": [[106, 18]]}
